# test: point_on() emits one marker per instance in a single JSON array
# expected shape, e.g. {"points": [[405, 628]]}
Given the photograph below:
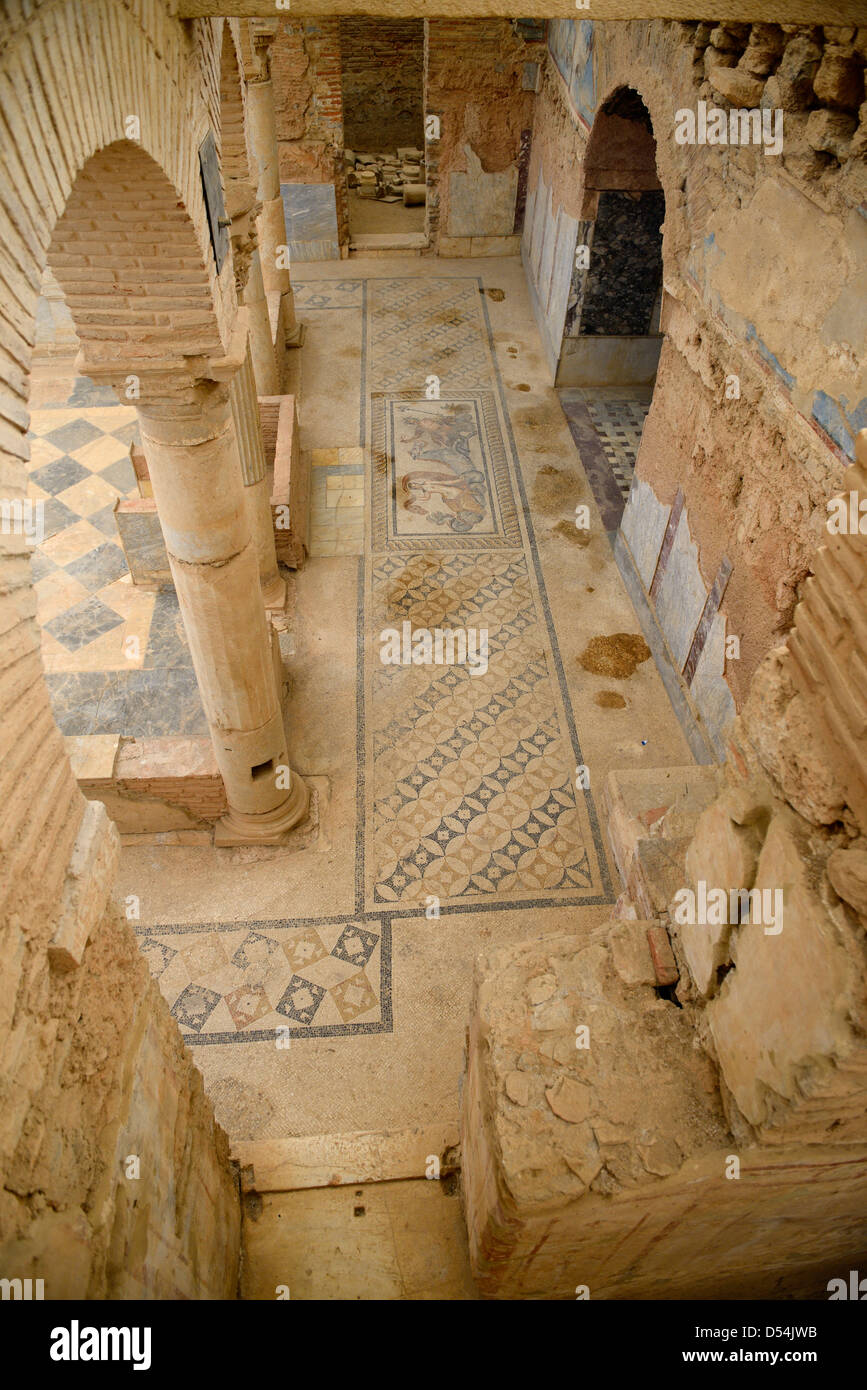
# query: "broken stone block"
{"points": [[722, 37], [798, 67], [570, 1099], [518, 1087], [630, 954], [764, 49], [847, 872], [722, 852], [779, 727], [839, 82], [87, 887], [858, 147], [831, 131], [736, 86], [789, 1021], [716, 58]]}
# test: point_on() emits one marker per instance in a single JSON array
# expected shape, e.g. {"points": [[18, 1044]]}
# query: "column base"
{"points": [[270, 828], [295, 337]]}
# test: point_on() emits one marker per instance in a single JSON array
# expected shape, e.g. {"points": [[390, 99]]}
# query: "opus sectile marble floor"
{"points": [[115, 655], [619, 424], [607, 425], [466, 790], [337, 502]]}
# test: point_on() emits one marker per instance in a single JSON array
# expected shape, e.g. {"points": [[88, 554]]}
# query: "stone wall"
{"points": [[597, 1152], [476, 85], [638, 1100], [382, 64], [93, 1066], [761, 385], [305, 70], [308, 97]]}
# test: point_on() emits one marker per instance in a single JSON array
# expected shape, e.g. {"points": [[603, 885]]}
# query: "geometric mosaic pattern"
{"points": [[245, 981], [472, 792], [419, 327]]}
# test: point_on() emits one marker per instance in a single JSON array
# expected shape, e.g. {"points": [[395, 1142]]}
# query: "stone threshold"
{"points": [[341, 1160], [388, 241]]}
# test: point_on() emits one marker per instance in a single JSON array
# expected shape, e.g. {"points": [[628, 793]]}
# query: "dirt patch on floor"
{"points": [[609, 699], [555, 490], [570, 532], [617, 655], [497, 295]]}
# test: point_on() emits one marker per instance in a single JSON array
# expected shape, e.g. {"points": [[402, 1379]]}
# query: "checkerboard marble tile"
{"points": [[619, 424], [79, 468], [106, 643]]}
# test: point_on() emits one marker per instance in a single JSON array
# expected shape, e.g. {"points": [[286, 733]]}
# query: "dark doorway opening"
{"points": [[382, 68]]}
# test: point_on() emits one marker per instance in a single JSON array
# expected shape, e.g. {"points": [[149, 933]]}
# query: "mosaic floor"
{"points": [[466, 773], [258, 981]]}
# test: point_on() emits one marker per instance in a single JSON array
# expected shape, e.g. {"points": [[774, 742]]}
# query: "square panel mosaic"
{"points": [[272, 982]]}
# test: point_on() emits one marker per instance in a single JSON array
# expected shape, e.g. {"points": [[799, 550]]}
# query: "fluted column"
{"points": [[248, 428], [262, 130]]}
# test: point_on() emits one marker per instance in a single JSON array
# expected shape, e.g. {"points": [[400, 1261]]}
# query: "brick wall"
{"points": [[305, 71], [93, 1065], [474, 71], [383, 78]]}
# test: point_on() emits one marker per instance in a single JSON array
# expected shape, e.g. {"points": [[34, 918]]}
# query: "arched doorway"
{"points": [[611, 338], [611, 335]]}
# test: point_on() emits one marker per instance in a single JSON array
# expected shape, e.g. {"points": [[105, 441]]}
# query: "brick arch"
{"points": [[621, 150], [126, 256], [72, 74]]}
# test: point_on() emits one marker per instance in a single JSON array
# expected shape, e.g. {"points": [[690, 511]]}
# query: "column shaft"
{"points": [[261, 343], [193, 459], [248, 428], [262, 127]]}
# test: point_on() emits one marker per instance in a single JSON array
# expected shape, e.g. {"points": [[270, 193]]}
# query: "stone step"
{"points": [[335, 1160]]}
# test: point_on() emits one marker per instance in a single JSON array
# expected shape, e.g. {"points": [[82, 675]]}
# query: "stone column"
{"points": [[261, 343], [262, 131], [188, 436], [248, 428]]}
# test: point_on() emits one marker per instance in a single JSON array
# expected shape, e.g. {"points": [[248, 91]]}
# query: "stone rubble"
{"points": [[388, 177]]}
